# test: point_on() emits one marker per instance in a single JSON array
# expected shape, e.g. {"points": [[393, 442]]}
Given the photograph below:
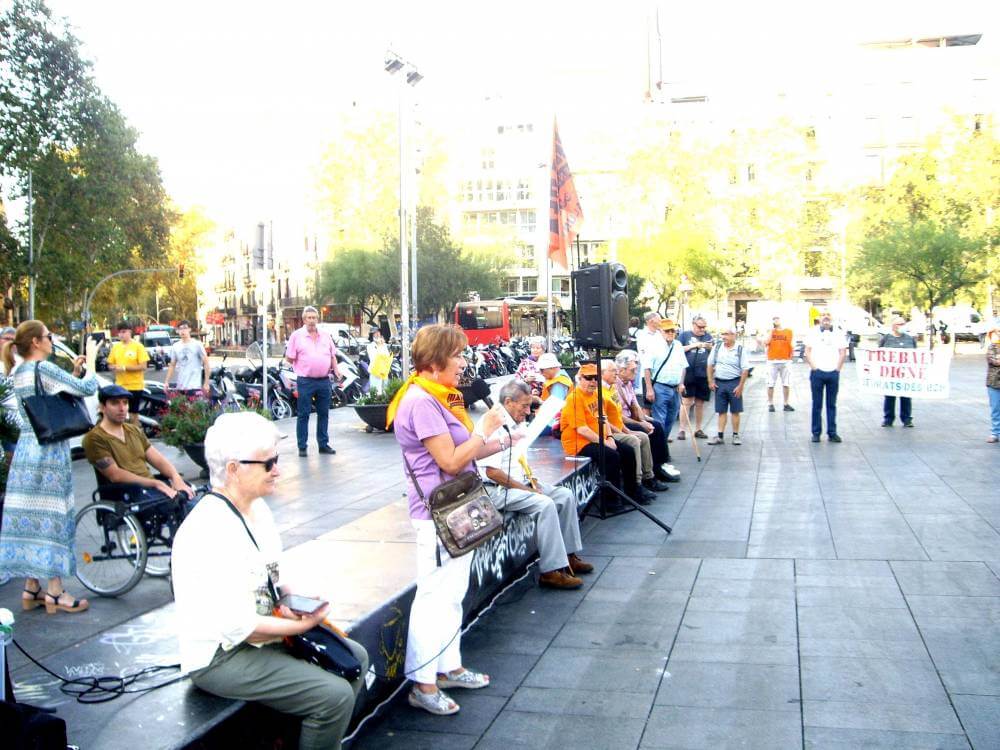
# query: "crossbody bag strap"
{"points": [[38, 380], [235, 510], [667, 359]]}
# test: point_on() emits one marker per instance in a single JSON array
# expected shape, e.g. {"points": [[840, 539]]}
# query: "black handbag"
{"points": [[56, 416], [322, 645]]}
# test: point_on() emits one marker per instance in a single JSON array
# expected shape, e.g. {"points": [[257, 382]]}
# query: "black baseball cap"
{"points": [[109, 392]]}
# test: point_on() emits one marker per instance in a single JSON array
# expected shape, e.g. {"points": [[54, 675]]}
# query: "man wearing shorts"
{"points": [[697, 345], [778, 342], [728, 368]]}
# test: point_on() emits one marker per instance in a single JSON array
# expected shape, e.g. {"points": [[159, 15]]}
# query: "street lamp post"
{"points": [[395, 64]]}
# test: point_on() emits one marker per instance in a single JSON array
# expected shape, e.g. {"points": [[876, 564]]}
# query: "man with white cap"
{"points": [[898, 339], [663, 367]]}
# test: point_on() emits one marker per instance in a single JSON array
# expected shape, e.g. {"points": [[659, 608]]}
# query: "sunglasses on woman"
{"points": [[268, 464]]}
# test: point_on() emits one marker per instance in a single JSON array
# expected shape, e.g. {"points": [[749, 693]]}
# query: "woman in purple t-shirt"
{"points": [[437, 441]]}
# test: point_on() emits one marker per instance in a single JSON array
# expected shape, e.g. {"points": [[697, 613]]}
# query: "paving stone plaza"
{"points": [[811, 595]]}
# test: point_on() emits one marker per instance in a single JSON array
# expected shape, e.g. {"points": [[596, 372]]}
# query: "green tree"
{"points": [[357, 182], [99, 204], [449, 272], [366, 278], [932, 262]]}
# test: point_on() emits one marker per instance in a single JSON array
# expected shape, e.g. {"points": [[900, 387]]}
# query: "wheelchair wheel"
{"points": [[158, 554], [110, 549]]}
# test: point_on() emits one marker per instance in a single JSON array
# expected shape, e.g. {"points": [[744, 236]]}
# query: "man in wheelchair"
{"points": [[121, 453]]}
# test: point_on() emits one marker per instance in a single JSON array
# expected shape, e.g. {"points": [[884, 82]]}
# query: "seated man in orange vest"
{"points": [[580, 435]]}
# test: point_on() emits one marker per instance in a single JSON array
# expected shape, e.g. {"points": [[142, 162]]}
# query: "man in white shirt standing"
{"points": [[826, 349], [651, 334], [663, 375], [557, 526], [188, 357]]}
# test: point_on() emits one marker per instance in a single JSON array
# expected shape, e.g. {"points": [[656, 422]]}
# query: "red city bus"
{"points": [[485, 321]]}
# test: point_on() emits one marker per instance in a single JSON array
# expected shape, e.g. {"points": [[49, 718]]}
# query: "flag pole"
{"points": [[548, 305]]}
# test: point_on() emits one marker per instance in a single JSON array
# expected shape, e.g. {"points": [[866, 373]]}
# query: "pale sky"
{"points": [[235, 99]]}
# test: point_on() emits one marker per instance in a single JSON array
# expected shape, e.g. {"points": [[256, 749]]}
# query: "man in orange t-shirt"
{"points": [[580, 435], [778, 342]]}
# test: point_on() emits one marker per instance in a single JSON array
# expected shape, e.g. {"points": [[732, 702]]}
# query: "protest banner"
{"points": [[915, 373]]}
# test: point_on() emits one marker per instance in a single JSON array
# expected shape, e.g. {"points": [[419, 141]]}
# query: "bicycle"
{"points": [[125, 532]]}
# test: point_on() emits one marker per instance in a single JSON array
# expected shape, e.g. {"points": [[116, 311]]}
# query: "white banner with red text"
{"points": [[914, 373]]}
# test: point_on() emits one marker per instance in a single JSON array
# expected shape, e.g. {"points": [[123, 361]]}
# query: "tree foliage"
{"points": [[926, 236], [99, 203], [446, 273]]}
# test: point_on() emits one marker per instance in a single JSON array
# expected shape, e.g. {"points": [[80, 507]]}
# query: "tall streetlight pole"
{"points": [[395, 64]]}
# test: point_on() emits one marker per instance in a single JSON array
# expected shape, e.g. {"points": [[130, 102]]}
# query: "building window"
{"points": [[488, 158], [873, 168], [503, 190], [527, 221], [751, 173], [468, 189], [529, 285], [523, 189], [560, 286], [513, 287], [873, 132], [526, 253]]}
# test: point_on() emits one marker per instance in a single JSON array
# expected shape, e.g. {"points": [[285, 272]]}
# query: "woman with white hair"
{"points": [[528, 369], [224, 554]]}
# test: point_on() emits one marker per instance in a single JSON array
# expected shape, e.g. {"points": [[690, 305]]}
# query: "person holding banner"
{"points": [[993, 383], [898, 339]]}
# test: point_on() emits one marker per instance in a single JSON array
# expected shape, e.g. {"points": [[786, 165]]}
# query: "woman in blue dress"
{"points": [[36, 540]]}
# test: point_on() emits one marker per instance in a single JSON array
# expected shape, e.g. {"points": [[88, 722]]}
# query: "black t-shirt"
{"points": [[697, 358]]}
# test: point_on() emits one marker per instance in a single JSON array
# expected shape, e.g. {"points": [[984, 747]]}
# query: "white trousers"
{"points": [[557, 526], [433, 643]]}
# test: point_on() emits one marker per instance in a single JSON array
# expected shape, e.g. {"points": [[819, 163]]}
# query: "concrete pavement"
{"points": [[811, 595]]}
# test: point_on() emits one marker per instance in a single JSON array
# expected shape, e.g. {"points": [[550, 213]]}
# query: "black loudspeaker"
{"points": [[600, 294]]}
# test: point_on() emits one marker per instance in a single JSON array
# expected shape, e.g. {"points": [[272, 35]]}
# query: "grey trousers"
{"points": [[271, 676], [557, 526]]}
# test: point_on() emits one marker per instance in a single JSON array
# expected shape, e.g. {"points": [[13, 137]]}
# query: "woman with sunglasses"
{"points": [[225, 552], [39, 515]]}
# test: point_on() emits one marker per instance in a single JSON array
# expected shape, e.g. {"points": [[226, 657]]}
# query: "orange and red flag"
{"points": [[565, 214]]}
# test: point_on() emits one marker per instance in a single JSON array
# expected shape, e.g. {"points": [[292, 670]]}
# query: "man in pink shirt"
{"points": [[313, 356]]}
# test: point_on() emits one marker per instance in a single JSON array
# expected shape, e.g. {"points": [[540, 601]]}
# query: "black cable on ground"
{"points": [[106, 687]]}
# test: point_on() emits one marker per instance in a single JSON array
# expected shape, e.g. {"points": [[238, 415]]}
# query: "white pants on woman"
{"points": [[433, 643]]}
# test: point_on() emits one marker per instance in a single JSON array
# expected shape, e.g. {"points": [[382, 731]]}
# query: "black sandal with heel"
{"points": [[51, 607], [36, 600]]}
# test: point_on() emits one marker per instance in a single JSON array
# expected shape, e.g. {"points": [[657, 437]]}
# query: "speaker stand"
{"points": [[603, 485]]}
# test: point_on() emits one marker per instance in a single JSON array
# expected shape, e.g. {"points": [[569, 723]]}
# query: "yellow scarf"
{"points": [[561, 377], [450, 398]]}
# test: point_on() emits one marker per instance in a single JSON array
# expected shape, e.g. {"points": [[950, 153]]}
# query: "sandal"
{"points": [[681, 436], [51, 607], [36, 600], [464, 679], [436, 703], [700, 434]]}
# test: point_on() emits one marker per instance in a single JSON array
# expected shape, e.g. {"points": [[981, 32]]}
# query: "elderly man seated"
{"points": [[636, 437], [121, 452], [636, 419], [557, 527]]}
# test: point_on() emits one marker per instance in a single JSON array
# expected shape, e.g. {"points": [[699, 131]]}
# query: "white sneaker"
{"points": [[736, 440], [670, 470]]}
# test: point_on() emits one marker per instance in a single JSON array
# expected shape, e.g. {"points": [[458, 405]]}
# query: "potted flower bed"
{"points": [[372, 406], [186, 421]]}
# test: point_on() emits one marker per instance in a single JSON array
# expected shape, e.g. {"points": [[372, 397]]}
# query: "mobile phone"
{"points": [[302, 605]]}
